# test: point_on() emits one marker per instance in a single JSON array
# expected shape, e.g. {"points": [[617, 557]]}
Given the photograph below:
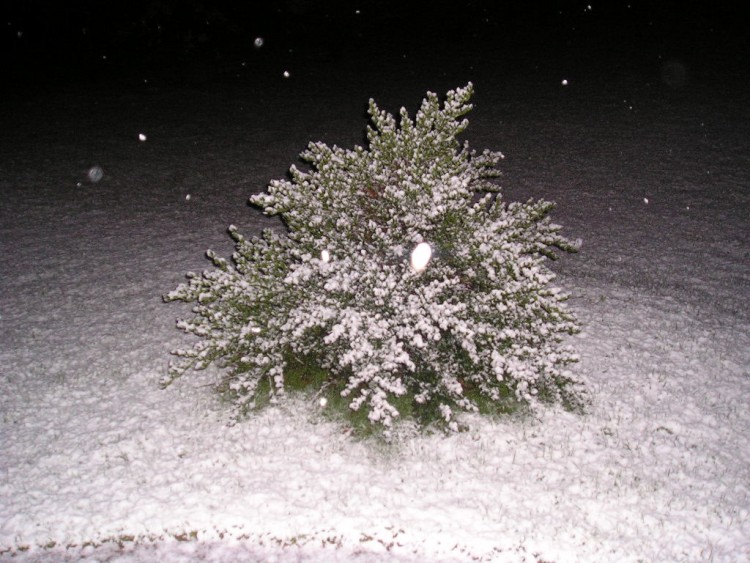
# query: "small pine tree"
{"points": [[404, 283]]}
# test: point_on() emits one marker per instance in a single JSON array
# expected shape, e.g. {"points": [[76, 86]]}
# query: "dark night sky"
{"points": [[56, 40]]}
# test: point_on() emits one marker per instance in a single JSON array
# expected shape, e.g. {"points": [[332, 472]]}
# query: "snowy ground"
{"points": [[98, 463]]}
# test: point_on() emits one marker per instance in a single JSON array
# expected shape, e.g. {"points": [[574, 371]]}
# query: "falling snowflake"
{"points": [[421, 256], [95, 173]]}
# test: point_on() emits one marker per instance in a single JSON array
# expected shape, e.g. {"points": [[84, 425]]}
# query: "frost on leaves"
{"points": [[475, 323]]}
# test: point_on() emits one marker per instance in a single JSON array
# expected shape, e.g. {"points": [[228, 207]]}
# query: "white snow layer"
{"points": [[98, 463]]}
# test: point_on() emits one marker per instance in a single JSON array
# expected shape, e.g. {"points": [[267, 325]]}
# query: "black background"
{"points": [[52, 40]]}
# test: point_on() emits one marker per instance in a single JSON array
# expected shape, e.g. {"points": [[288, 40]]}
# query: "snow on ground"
{"points": [[100, 464]]}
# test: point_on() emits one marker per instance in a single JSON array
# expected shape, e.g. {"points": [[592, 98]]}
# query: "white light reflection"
{"points": [[420, 256]]}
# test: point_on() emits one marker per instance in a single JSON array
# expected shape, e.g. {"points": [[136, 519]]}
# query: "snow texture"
{"points": [[99, 463]]}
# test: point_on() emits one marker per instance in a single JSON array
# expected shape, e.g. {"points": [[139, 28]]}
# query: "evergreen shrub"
{"points": [[404, 286]]}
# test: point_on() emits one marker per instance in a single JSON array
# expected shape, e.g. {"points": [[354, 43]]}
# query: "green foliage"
{"points": [[338, 305]]}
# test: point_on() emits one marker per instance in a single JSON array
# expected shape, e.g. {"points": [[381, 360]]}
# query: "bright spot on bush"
{"points": [[323, 401], [420, 256], [258, 42], [286, 74], [565, 82], [325, 256], [95, 173], [645, 200], [141, 137], [187, 197]]}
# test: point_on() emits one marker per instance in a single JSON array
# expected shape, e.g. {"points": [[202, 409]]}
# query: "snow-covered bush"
{"points": [[404, 285]]}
